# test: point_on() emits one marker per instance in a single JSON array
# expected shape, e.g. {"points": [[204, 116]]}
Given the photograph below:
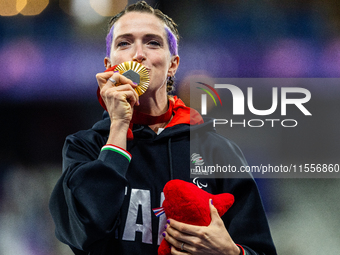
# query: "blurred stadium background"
{"points": [[51, 50]]}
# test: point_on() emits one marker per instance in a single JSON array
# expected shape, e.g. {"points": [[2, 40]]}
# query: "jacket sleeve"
{"points": [[86, 200], [246, 220]]}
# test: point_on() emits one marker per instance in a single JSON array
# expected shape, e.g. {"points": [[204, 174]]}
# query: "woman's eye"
{"points": [[154, 43], [122, 44]]}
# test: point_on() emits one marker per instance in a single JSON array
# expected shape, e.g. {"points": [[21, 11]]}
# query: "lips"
{"points": [[149, 70]]}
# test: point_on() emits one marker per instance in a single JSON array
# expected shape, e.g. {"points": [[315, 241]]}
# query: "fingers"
{"points": [[192, 229], [113, 96], [196, 238], [184, 228], [173, 242], [113, 81], [179, 239], [176, 251], [213, 212], [103, 78], [114, 85]]}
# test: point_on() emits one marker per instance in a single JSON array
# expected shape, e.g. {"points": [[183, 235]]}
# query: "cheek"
{"points": [[118, 58], [161, 62]]}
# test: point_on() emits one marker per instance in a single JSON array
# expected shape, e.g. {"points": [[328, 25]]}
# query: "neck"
{"points": [[160, 110], [153, 106], [155, 127]]}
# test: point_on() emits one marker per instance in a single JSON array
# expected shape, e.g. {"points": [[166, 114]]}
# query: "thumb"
{"points": [[213, 212]]}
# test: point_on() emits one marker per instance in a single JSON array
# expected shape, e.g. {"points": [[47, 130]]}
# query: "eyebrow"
{"points": [[147, 36], [154, 36], [123, 36]]}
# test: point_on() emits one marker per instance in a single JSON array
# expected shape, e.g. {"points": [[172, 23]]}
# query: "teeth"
{"points": [[141, 70]]}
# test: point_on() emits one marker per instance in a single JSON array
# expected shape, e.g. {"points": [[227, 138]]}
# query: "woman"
{"points": [[112, 178]]}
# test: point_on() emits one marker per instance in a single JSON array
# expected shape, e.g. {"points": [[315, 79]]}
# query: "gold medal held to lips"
{"points": [[137, 73]]}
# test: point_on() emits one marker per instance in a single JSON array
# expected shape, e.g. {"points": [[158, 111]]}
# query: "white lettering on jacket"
{"points": [[140, 199]]}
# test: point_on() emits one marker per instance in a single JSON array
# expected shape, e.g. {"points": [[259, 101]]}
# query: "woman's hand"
{"points": [[119, 97], [118, 94], [213, 239]]}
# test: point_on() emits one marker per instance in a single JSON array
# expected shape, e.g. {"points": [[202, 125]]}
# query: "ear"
{"points": [[107, 62], [174, 63]]}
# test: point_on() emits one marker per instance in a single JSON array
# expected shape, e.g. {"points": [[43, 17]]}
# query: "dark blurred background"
{"points": [[51, 50]]}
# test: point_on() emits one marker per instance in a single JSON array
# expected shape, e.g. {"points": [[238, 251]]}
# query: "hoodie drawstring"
{"points": [[170, 159]]}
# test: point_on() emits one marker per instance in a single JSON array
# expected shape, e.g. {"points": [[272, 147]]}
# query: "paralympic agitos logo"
{"points": [[238, 105]]}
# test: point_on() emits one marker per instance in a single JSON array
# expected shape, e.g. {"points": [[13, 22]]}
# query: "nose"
{"points": [[139, 55]]}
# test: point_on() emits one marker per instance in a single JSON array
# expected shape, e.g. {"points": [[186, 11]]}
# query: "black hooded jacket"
{"points": [[102, 204]]}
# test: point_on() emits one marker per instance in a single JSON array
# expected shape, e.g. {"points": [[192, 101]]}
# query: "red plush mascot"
{"points": [[187, 203]]}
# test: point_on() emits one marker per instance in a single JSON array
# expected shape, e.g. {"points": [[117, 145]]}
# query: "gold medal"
{"points": [[137, 73]]}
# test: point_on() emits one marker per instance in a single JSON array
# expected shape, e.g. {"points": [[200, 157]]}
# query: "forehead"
{"points": [[139, 23]]}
